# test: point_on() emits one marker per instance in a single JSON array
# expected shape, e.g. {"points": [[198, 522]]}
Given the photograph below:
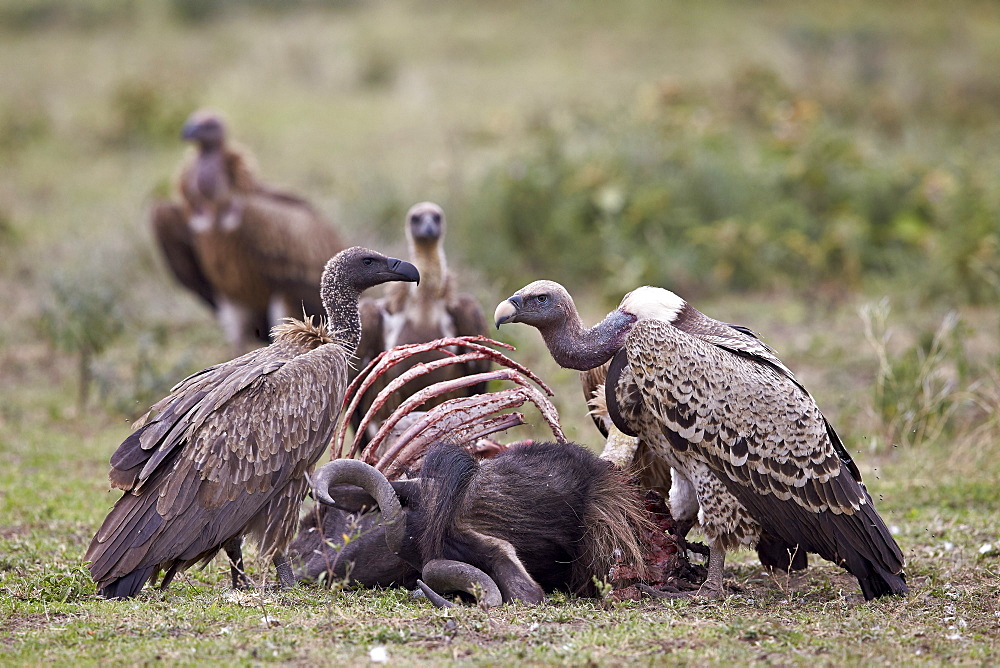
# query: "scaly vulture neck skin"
{"points": [[573, 347], [349, 273], [548, 307]]}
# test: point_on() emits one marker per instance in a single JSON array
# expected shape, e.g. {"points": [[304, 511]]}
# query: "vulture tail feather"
{"points": [[129, 585]]}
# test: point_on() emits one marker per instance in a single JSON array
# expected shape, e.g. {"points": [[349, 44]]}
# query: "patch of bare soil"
{"points": [[10, 629]]}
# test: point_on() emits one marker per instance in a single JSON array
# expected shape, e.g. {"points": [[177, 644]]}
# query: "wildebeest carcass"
{"points": [[533, 518]]}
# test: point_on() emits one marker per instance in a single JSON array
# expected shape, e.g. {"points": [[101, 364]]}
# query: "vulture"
{"points": [[628, 452], [227, 452], [432, 310], [253, 254], [716, 405]]}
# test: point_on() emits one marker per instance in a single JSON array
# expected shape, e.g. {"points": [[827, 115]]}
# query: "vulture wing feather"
{"points": [[271, 393], [764, 438]]}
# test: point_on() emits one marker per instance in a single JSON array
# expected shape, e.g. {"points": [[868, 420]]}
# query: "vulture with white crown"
{"points": [[252, 253], [716, 405], [227, 453], [432, 310]]}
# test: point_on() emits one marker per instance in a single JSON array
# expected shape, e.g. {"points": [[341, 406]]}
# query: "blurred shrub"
{"points": [[82, 316], [199, 11], [145, 110], [919, 391], [751, 186], [130, 388], [26, 15]]}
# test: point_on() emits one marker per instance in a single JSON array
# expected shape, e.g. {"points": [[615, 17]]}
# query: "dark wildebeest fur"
{"points": [[320, 552], [535, 518]]}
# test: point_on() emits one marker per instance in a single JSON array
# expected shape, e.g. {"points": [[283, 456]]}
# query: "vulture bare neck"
{"points": [[216, 175], [573, 347], [425, 304]]}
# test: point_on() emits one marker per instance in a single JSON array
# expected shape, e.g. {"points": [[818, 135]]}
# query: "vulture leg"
{"points": [[241, 325], [234, 550], [286, 578], [713, 583]]}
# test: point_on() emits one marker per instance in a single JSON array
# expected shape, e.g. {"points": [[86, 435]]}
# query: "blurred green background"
{"points": [[780, 164]]}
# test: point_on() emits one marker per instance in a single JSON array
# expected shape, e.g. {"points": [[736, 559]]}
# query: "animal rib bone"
{"points": [[478, 405], [467, 418]]}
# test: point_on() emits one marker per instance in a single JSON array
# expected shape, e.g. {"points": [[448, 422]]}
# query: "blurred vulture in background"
{"points": [[252, 253], [418, 313], [227, 452]]}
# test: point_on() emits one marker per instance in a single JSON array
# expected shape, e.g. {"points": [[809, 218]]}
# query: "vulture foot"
{"points": [[712, 588], [283, 566]]}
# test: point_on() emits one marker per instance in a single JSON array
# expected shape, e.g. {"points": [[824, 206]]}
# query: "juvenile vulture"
{"points": [[252, 253], [417, 313], [716, 405], [227, 452]]}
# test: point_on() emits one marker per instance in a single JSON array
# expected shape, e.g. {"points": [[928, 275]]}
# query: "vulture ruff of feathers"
{"points": [[227, 452], [715, 404], [252, 253]]}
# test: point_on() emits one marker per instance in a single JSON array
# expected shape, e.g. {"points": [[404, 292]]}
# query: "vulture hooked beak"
{"points": [[190, 130], [205, 127], [507, 310], [403, 269]]}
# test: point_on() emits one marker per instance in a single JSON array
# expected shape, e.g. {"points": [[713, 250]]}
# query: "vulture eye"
{"points": [[542, 298], [367, 261], [437, 218]]}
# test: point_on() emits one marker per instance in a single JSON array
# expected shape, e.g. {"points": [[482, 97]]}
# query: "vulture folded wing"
{"points": [[735, 338], [591, 381], [266, 422], [766, 439], [157, 435], [176, 242]]}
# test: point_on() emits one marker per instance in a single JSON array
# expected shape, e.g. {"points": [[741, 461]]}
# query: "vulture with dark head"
{"points": [[226, 454], [715, 404], [252, 253], [432, 310]]}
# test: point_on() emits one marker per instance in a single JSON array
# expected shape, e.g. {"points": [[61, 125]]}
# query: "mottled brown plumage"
{"points": [[655, 473], [419, 313], [226, 453], [252, 253], [716, 405]]}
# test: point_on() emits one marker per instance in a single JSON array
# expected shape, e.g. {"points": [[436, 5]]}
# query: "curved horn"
{"points": [[434, 597], [444, 575], [370, 479]]}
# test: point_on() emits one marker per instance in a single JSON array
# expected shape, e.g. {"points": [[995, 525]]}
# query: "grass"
{"points": [[699, 125]]}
